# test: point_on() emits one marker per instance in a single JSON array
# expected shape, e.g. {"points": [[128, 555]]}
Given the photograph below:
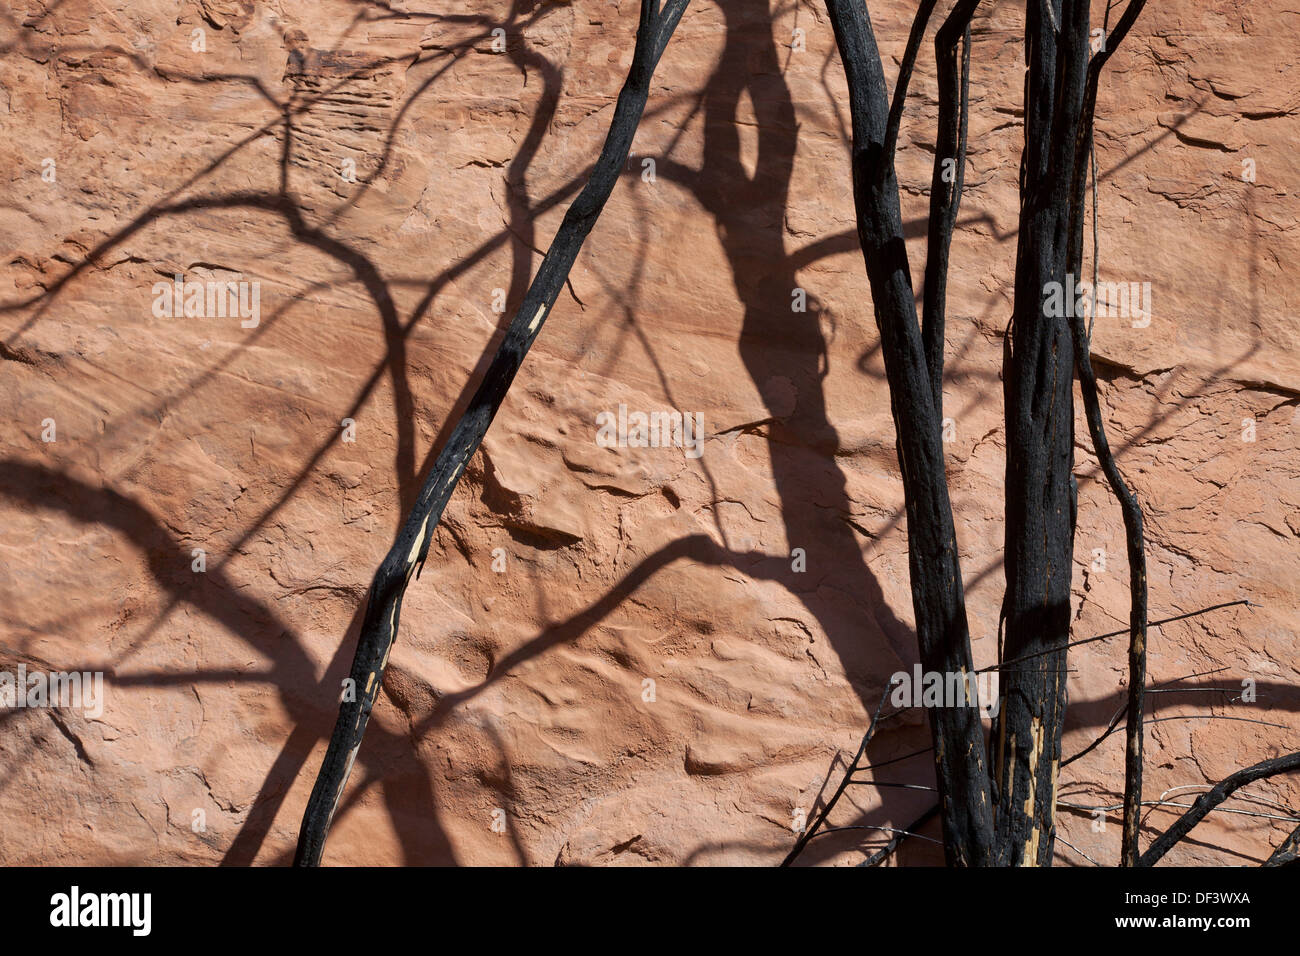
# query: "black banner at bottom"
{"points": [[334, 905]]}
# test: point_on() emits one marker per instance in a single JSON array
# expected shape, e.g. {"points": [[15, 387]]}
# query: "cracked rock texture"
{"points": [[612, 654]]}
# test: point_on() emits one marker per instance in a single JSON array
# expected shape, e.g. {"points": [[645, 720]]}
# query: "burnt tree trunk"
{"points": [[1039, 407]]}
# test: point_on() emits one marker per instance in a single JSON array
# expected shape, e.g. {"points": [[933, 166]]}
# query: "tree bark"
{"points": [[1039, 409]]}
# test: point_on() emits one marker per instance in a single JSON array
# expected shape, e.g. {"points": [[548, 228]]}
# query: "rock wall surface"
{"points": [[612, 656]]}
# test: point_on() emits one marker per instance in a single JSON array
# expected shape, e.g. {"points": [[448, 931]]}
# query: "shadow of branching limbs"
{"points": [[384, 602]]}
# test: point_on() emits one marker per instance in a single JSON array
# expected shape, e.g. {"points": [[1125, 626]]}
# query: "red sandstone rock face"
{"points": [[525, 690]]}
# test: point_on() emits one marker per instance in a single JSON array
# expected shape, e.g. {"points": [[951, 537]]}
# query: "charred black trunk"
{"points": [[1039, 408]]}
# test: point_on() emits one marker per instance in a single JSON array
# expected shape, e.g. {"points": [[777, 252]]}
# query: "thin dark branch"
{"points": [[1110, 729], [946, 183], [1248, 720], [1119, 714], [905, 68], [864, 826], [811, 830], [406, 558], [1211, 799], [884, 852], [1129, 506], [1104, 637], [1288, 854], [891, 760]]}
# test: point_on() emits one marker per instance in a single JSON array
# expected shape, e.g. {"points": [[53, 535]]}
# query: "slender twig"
{"points": [[811, 830], [1110, 729], [905, 68], [1255, 797], [1248, 720], [1193, 690], [886, 763], [1077, 850], [1119, 714], [1109, 808], [1108, 636], [864, 826], [912, 828]]}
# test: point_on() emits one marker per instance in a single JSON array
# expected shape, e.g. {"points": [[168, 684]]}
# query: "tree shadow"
{"points": [[783, 352]]}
